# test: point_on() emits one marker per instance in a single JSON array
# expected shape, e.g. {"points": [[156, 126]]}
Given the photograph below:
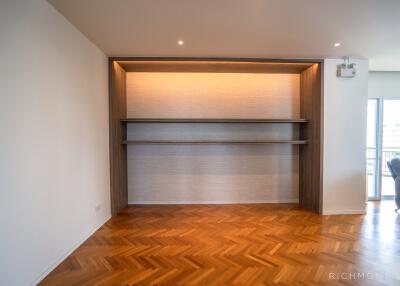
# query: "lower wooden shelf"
{"points": [[212, 142]]}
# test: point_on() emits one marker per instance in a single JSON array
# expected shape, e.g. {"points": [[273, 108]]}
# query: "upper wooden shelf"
{"points": [[211, 120]]}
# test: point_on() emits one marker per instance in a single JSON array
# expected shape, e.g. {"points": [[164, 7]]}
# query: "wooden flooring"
{"points": [[278, 244]]}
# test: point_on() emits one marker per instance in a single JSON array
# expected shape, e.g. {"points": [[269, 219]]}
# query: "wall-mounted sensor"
{"points": [[346, 69]]}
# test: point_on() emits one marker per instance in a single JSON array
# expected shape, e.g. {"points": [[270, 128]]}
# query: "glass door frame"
{"points": [[379, 148]]}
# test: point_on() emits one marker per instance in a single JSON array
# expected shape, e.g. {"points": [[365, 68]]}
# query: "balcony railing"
{"points": [[387, 155]]}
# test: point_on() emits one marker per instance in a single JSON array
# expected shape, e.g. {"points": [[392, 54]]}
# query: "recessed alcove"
{"points": [[215, 131]]}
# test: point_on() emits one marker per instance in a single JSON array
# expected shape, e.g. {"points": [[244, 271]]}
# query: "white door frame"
{"points": [[379, 147]]}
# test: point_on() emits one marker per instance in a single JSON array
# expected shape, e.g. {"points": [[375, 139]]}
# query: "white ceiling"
{"points": [[242, 28]]}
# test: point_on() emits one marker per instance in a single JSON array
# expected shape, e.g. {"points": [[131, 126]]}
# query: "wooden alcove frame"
{"points": [[311, 108]]}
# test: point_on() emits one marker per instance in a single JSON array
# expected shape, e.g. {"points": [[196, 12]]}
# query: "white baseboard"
{"points": [[212, 202], [65, 255], [343, 212]]}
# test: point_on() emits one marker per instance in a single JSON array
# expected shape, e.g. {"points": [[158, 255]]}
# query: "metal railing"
{"points": [[387, 155]]}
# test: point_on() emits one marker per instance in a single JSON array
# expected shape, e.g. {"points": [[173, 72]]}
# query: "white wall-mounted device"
{"points": [[346, 69]]}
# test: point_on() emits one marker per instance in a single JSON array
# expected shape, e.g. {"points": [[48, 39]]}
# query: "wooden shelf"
{"points": [[203, 120], [212, 142]]}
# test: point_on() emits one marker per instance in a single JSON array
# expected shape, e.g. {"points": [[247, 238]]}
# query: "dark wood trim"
{"points": [[214, 65], [320, 173], [212, 142], [220, 59], [118, 158], [210, 120], [311, 162]]}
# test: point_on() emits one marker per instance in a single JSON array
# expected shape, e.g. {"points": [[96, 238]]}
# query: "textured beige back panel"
{"points": [[212, 174], [214, 131], [216, 173], [213, 95]]}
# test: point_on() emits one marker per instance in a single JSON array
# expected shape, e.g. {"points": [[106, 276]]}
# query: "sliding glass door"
{"points": [[390, 143], [383, 144]]}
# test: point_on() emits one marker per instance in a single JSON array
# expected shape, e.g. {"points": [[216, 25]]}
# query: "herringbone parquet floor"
{"points": [[278, 244]]}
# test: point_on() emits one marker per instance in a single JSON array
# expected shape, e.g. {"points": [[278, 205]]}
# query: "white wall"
{"points": [[345, 113], [54, 163], [384, 84]]}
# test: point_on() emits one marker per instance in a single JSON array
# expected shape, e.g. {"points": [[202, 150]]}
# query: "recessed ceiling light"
{"points": [[336, 45], [180, 43]]}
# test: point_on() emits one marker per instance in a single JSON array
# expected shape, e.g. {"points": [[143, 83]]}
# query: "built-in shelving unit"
{"points": [[262, 90]]}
